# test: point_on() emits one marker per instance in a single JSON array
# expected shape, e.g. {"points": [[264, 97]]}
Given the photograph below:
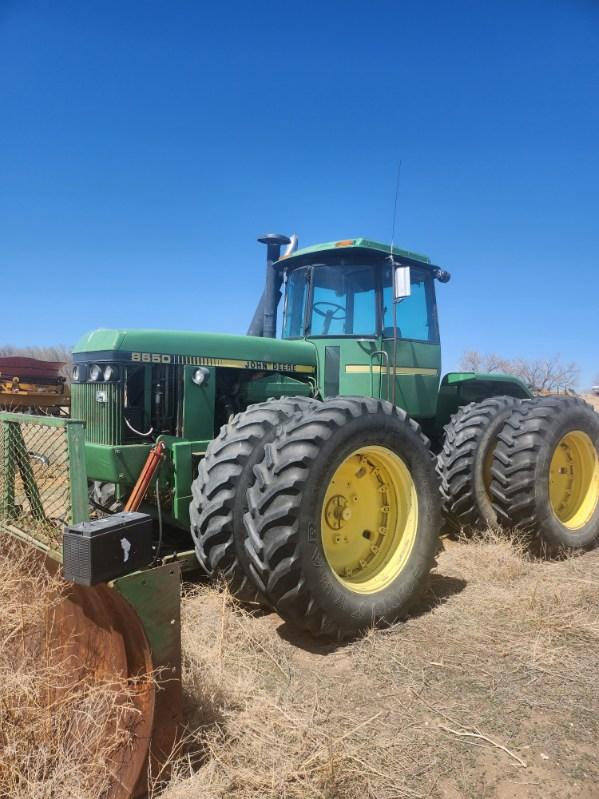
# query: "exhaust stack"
{"points": [[292, 246], [274, 242]]}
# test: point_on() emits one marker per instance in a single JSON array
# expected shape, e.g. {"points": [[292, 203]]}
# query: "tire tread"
{"points": [[215, 488], [275, 499]]}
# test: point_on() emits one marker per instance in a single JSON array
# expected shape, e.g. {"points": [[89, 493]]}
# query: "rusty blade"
{"points": [[156, 596], [98, 636]]}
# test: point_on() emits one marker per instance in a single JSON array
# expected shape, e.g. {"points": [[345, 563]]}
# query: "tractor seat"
{"points": [[388, 332]]}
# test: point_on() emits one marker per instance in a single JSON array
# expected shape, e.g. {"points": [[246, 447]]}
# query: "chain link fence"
{"points": [[43, 484]]}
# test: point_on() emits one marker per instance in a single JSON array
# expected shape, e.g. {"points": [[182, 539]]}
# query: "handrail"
{"points": [[385, 358]]}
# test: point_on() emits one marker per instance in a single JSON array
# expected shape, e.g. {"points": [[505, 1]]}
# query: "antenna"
{"points": [[392, 261], [395, 210]]}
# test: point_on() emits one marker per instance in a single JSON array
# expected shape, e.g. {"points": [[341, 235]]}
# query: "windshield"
{"points": [[343, 301]]}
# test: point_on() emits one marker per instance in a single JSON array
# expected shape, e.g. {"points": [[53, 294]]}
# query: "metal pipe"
{"points": [[256, 327], [272, 285]]}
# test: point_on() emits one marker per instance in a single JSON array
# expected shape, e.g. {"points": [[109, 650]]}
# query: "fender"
{"points": [[461, 388]]}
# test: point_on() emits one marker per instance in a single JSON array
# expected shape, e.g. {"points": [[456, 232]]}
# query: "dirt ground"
{"points": [[489, 690]]}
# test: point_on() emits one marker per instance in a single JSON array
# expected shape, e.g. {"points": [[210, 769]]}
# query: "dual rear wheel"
{"points": [[328, 511], [546, 472], [526, 464]]}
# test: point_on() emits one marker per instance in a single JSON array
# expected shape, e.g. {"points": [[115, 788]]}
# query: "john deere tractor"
{"points": [[311, 469]]}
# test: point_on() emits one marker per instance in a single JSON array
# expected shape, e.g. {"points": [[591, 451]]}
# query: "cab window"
{"points": [[343, 301], [416, 314], [295, 301]]}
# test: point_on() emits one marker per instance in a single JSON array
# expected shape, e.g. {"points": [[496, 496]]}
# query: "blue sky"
{"points": [[145, 145]]}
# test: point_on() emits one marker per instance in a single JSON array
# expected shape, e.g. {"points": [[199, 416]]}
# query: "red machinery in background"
{"points": [[29, 384]]}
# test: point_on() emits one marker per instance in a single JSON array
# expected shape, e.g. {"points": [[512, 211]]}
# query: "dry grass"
{"points": [[592, 399], [498, 669], [57, 735]]}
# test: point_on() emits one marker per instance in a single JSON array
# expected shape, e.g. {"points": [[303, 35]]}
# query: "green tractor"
{"points": [[307, 467]]}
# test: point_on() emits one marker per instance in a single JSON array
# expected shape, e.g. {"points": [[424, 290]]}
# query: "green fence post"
{"points": [[8, 509], [77, 471]]}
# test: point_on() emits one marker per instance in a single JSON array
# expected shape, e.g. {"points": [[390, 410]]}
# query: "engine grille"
{"points": [[104, 420]]}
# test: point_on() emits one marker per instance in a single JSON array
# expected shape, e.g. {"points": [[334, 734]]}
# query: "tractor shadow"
{"points": [[441, 588], [306, 642]]}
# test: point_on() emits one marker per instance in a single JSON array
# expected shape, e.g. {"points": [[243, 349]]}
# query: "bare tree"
{"points": [[543, 374], [548, 374], [471, 361]]}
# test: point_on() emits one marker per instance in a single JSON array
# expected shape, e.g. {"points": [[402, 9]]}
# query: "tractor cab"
{"points": [[372, 317]]}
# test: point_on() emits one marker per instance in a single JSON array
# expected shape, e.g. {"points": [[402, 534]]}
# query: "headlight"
{"points": [[199, 376], [95, 372], [110, 373]]}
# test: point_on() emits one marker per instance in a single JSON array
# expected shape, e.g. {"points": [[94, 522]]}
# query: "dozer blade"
{"points": [[128, 634], [125, 633]]}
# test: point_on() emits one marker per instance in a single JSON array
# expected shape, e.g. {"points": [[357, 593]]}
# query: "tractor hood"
{"points": [[198, 349]]}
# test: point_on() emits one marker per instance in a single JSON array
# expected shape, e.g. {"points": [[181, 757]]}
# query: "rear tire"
{"points": [[219, 491], [344, 517], [546, 472], [464, 463]]}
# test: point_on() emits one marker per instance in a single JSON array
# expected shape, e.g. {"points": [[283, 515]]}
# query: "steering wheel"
{"points": [[328, 314]]}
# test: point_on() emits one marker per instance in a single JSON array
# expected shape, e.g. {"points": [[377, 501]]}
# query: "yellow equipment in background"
{"points": [[29, 384]]}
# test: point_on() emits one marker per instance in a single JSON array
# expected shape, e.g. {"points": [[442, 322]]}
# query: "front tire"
{"points": [[344, 517], [219, 491], [546, 472]]}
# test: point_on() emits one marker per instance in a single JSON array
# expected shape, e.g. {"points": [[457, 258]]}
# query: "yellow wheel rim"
{"points": [[369, 519], [574, 480]]}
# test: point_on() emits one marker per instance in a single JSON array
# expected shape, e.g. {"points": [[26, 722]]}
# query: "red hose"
{"points": [[146, 475]]}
